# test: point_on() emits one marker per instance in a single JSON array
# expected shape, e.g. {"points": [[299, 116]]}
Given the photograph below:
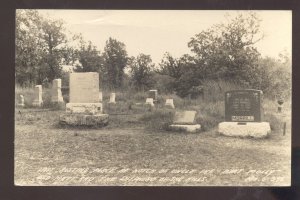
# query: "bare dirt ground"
{"points": [[48, 154]]}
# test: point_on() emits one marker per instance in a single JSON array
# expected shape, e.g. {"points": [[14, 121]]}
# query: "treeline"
{"points": [[225, 52]]}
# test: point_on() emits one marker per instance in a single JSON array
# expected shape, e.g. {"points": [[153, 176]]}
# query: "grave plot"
{"points": [[244, 114], [185, 121], [84, 107]]}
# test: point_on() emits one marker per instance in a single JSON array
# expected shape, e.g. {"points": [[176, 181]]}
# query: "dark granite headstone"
{"points": [[153, 94], [243, 106]]}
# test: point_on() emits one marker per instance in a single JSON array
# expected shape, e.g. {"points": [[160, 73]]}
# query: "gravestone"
{"points": [[56, 95], [84, 107], [185, 121], [21, 102], [243, 106], [38, 99], [100, 97], [153, 94], [169, 103], [84, 87], [149, 101], [185, 117], [280, 105], [112, 98], [244, 114]]}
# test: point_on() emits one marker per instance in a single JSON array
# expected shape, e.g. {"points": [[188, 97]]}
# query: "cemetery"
{"points": [[144, 131], [209, 107]]}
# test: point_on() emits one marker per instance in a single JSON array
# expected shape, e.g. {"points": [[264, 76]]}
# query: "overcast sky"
{"points": [[156, 32]]}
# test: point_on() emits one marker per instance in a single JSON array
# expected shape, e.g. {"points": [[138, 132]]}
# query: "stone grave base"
{"points": [[20, 105], [57, 98], [83, 119], [245, 129], [187, 128], [84, 108], [37, 103], [170, 106]]}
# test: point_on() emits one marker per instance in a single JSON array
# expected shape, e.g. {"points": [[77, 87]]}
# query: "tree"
{"points": [[226, 50], [170, 66], [28, 46], [184, 71], [115, 60], [89, 58], [274, 76], [54, 45], [141, 71], [41, 45]]}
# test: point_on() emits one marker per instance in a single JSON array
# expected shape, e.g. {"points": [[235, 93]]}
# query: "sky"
{"points": [[155, 32]]}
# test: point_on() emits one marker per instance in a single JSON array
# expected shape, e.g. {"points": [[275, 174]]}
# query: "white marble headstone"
{"points": [[56, 91], [170, 103], [84, 94], [38, 99], [84, 87], [112, 98], [149, 101], [22, 102]]}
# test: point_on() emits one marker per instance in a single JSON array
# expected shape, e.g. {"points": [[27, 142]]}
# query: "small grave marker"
{"points": [[280, 105], [112, 98], [56, 95], [22, 101], [185, 120], [38, 99], [185, 117], [153, 94], [169, 103], [149, 101]]}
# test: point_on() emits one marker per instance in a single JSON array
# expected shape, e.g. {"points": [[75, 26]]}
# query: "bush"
{"points": [[276, 123]]}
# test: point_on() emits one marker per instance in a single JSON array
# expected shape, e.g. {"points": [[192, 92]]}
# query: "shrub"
{"points": [[275, 122]]}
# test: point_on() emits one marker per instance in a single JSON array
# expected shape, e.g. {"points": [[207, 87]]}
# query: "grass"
{"points": [[135, 138], [210, 109], [41, 144]]}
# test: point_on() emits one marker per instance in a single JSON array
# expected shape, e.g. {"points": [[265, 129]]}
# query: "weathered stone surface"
{"points": [[100, 97], [84, 108], [112, 98], [84, 120], [186, 128], [84, 87], [169, 103], [38, 99], [245, 129], [56, 95], [21, 102], [184, 117], [149, 101]]}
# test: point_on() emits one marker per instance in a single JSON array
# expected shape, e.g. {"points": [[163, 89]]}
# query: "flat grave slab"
{"points": [[184, 117]]}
